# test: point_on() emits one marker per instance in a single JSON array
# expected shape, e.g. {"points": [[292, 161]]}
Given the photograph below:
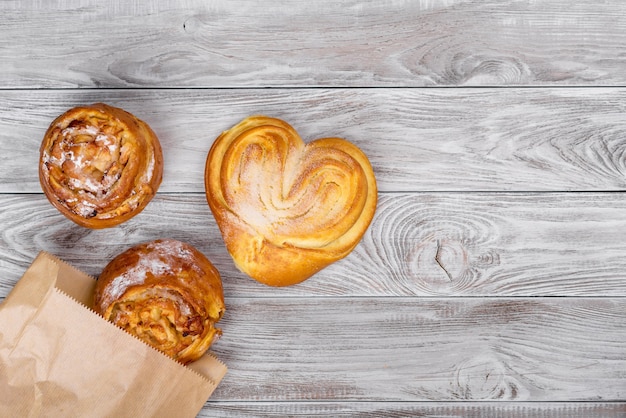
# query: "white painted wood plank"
{"points": [[304, 43], [415, 409], [539, 139], [415, 349], [387, 331], [427, 244]]}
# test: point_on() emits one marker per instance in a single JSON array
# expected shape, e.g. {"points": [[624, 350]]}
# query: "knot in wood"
{"points": [[483, 377], [439, 263]]}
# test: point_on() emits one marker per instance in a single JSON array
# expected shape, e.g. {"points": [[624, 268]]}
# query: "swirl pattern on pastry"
{"points": [[287, 209], [100, 165], [166, 293]]}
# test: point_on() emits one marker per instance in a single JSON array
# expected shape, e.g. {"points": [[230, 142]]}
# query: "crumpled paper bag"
{"points": [[59, 358]]}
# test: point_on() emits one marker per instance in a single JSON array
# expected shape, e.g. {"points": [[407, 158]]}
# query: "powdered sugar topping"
{"points": [[158, 260]]}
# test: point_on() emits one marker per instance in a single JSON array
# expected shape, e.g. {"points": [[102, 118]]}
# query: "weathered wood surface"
{"points": [[311, 43], [417, 409], [426, 244], [408, 349], [538, 139], [492, 280]]}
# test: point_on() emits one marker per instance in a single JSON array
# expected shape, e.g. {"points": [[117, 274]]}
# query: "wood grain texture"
{"points": [[537, 139], [427, 244], [491, 282], [303, 43], [412, 349], [415, 409]]}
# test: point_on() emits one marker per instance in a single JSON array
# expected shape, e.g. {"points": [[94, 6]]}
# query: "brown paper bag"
{"points": [[59, 358]]}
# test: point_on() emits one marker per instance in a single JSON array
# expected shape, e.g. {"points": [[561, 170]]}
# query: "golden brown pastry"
{"points": [[166, 293], [285, 209], [99, 165]]}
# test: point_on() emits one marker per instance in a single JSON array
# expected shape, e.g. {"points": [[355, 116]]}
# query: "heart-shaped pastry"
{"points": [[287, 209]]}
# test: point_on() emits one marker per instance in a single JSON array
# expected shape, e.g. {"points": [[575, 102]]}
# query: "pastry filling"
{"points": [[87, 159], [162, 319]]}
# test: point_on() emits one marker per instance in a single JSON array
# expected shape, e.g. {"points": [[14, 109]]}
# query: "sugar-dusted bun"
{"points": [[166, 293], [99, 165], [285, 209]]}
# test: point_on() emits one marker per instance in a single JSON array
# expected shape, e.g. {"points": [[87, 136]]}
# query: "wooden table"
{"points": [[492, 280]]}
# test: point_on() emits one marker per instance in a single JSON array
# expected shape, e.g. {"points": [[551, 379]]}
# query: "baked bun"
{"points": [[285, 209], [99, 165], [166, 293]]}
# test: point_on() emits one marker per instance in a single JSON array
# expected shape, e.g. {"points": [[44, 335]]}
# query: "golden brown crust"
{"points": [[166, 293], [285, 209], [99, 165]]}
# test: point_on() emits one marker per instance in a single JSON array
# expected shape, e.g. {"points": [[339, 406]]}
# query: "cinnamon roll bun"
{"points": [[287, 209], [99, 165], [166, 293]]}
